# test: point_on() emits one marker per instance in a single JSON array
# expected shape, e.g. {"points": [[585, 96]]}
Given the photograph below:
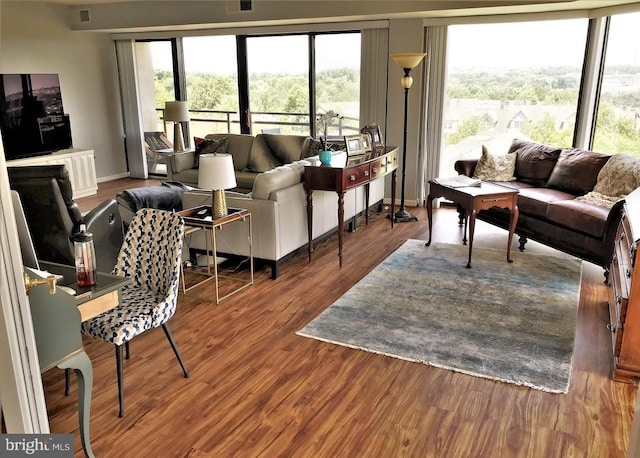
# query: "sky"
{"points": [[266, 54], [534, 44], [514, 45]]}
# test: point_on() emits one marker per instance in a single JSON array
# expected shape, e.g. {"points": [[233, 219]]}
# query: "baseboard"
{"points": [[113, 177]]}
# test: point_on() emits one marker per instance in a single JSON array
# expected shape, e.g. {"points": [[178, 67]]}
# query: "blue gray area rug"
{"points": [[514, 323]]}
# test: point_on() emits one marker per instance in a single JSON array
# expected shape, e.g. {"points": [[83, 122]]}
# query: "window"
{"points": [[618, 120], [338, 80], [154, 65], [211, 70], [523, 76], [278, 69]]}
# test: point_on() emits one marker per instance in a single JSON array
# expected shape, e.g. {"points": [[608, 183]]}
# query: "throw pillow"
{"points": [[619, 176], [495, 168], [577, 170], [534, 161], [207, 146]]}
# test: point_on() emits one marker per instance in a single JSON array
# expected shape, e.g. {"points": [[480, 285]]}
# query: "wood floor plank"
{"points": [[259, 390]]}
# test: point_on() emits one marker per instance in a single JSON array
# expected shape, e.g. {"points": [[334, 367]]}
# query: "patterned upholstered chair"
{"points": [[150, 256]]}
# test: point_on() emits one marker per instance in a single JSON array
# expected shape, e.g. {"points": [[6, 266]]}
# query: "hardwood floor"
{"points": [[258, 389]]}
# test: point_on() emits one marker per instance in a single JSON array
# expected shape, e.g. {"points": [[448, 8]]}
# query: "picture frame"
{"points": [[366, 142], [354, 145], [377, 143]]}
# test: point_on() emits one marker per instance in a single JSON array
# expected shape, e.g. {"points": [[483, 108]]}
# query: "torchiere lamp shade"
{"points": [[177, 112], [216, 172]]}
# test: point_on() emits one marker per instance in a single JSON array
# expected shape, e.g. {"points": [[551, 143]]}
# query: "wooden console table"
{"points": [[347, 173]]}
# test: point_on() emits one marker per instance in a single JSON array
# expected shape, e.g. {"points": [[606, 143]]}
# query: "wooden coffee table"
{"points": [[472, 199]]}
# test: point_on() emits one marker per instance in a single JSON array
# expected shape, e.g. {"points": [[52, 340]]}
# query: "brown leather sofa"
{"points": [[550, 181]]}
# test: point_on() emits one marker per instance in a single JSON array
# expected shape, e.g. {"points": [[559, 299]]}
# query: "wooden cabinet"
{"points": [[80, 164], [624, 294]]}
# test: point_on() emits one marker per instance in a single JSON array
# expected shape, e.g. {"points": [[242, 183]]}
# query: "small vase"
{"points": [[325, 157]]}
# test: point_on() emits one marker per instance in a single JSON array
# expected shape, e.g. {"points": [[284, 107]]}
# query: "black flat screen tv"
{"points": [[32, 119]]}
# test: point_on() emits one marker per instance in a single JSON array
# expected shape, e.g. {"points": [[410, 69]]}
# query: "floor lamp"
{"points": [[406, 61]]}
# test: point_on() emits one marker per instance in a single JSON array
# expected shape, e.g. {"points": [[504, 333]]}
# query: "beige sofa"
{"points": [[279, 214], [251, 156]]}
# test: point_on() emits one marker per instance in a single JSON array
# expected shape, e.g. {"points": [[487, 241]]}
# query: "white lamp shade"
{"points": [[216, 172], [408, 60], [176, 111]]}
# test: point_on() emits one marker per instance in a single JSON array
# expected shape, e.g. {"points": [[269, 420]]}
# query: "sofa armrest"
{"points": [[611, 228], [179, 162], [465, 166]]}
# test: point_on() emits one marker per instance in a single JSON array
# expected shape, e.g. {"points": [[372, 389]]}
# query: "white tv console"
{"points": [[80, 164]]}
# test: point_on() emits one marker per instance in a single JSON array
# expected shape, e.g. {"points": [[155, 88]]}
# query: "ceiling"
{"points": [[566, 4]]}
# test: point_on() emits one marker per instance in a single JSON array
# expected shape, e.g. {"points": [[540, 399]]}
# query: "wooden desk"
{"points": [[347, 173], [92, 300], [56, 323], [472, 199]]}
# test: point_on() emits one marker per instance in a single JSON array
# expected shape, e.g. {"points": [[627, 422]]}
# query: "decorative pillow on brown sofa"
{"points": [[495, 168], [619, 176], [576, 171], [535, 161]]}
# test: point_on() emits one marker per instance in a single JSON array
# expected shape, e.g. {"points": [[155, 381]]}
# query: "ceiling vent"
{"points": [[238, 6], [84, 16]]}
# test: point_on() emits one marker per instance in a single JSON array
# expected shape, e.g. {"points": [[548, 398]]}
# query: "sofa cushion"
{"points": [[576, 170], [619, 176], [245, 180], [278, 178], [209, 146], [495, 168], [535, 201], [287, 148], [239, 147], [534, 161], [261, 159], [579, 216]]}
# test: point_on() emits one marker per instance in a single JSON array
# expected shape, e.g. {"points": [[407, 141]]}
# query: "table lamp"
{"points": [[216, 173], [406, 61], [178, 112]]}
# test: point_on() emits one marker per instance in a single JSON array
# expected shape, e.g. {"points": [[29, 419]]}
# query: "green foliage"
{"points": [[269, 92], [615, 133], [616, 130], [544, 131]]}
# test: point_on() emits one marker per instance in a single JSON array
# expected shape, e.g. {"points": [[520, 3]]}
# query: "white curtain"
{"points": [[374, 60], [134, 138], [436, 48]]}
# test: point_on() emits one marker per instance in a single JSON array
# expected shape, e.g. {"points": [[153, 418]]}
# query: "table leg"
{"points": [[340, 224], [394, 179], [472, 228], [81, 364], [309, 192], [512, 227], [366, 205], [466, 219], [430, 217]]}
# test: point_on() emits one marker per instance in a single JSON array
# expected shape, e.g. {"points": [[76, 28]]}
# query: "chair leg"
{"points": [[66, 382], [119, 370], [175, 349], [126, 350]]}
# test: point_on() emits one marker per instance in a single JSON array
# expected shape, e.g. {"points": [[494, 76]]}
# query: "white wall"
{"points": [[35, 38]]}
